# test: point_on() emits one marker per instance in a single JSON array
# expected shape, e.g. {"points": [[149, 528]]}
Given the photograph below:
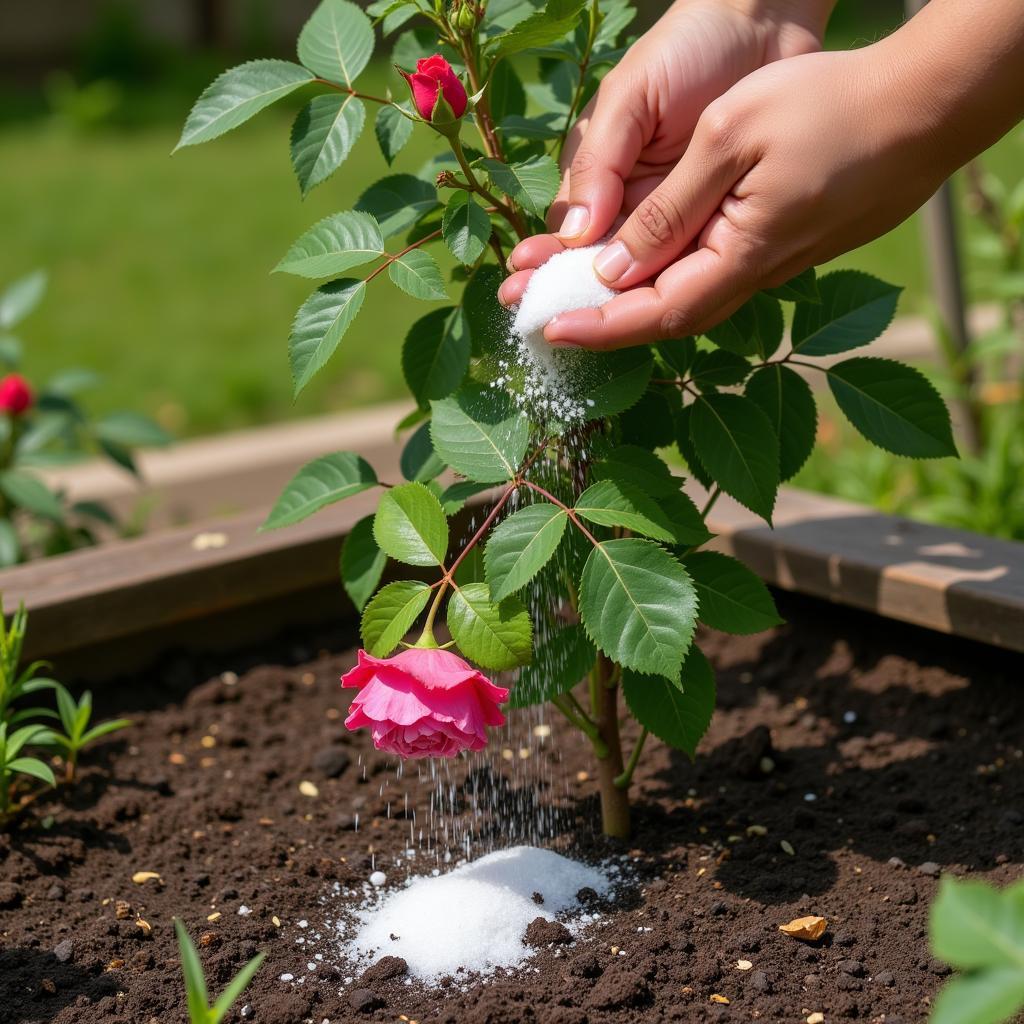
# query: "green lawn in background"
{"points": [[159, 266]]}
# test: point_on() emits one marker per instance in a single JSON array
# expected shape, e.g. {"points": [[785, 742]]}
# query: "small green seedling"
{"points": [[199, 1009], [979, 930], [74, 718], [13, 765], [13, 684]]}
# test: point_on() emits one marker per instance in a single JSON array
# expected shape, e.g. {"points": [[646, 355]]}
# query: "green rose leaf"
{"points": [[893, 406], [435, 356], [20, 298], [397, 202], [738, 448], [638, 605], [974, 926], [521, 546], [853, 310], [495, 636], [610, 383], [319, 326], [466, 227], [618, 503], [337, 41], [392, 128], [802, 288], [419, 461], [418, 275], [333, 245], [238, 94], [688, 526], [410, 525], [549, 25], [362, 563], [323, 134], [26, 491], [686, 449], [678, 354], [786, 399], [454, 497], [10, 544], [756, 328], [488, 320], [541, 128], [718, 368], [132, 430], [732, 598], [391, 614], [677, 710], [319, 483], [988, 997], [557, 666], [532, 183], [480, 434], [640, 467]]}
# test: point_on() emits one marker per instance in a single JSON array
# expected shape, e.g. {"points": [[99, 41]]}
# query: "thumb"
{"points": [[605, 156], [667, 220]]}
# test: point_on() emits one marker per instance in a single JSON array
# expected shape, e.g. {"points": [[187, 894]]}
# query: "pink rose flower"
{"points": [[423, 703], [15, 394], [434, 77]]}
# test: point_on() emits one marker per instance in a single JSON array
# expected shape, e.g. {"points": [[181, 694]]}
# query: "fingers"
{"points": [[534, 251], [510, 292], [609, 145], [692, 295], [672, 215]]}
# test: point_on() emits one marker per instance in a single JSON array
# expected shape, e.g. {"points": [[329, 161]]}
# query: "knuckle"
{"points": [[583, 165], [674, 323], [655, 220], [718, 124]]}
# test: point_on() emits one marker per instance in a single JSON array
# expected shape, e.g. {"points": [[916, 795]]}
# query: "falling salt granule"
{"points": [[474, 917], [849, 717], [378, 878], [552, 386]]}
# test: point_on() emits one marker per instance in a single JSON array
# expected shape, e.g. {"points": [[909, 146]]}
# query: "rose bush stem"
{"points": [[626, 777], [615, 820]]}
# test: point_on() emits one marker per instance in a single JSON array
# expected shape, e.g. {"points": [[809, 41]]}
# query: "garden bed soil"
{"points": [[881, 756]]}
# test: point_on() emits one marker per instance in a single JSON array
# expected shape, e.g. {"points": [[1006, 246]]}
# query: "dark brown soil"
{"points": [[880, 755]]}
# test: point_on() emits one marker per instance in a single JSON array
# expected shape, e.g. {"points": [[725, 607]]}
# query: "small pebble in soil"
{"points": [[886, 978], [64, 951], [363, 1000], [378, 878], [542, 932], [930, 868]]}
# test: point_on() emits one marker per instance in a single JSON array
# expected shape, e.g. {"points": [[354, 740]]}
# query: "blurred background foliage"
{"points": [[157, 266]]}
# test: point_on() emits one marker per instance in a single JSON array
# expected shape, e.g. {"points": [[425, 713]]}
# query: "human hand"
{"points": [[802, 160]]}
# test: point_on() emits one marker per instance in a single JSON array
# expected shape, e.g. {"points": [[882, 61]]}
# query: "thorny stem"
{"points": [[571, 513], [595, 20], [623, 780], [398, 255], [505, 209]]}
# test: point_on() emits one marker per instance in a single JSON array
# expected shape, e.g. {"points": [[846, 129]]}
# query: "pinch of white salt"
{"points": [[447, 922], [378, 878], [564, 283]]}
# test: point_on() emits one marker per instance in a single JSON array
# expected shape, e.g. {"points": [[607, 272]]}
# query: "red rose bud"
{"points": [[15, 394], [432, 82]]}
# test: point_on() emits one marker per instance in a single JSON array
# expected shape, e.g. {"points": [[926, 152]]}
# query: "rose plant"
{"points": [[588, 563], [48, 426]]}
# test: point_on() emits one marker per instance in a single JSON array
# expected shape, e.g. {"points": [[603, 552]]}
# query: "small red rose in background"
{"points": [[15, 394], [432, 78], [423, 703]]}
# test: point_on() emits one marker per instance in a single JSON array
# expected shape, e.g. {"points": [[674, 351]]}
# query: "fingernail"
{"points": [[501, 295], [612, 262], [575, 222], [510, 266]]}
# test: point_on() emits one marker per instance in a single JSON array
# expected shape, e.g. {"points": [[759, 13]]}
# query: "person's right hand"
{"points": [[637, 126]]}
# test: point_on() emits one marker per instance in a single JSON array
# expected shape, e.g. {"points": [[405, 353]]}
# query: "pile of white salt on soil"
{"points": [[552, 384], [473, 920]]}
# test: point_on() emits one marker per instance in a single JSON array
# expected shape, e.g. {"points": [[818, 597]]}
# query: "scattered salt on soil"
{"points": [[551, 384], [475, 917]]}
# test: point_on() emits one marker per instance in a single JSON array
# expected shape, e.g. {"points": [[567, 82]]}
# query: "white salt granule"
{"points": [[565, 283], [552, 388], [474, 917], [378, 878]]}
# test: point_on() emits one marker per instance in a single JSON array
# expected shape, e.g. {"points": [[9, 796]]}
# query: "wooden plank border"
{"points": [[949, 580]]}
